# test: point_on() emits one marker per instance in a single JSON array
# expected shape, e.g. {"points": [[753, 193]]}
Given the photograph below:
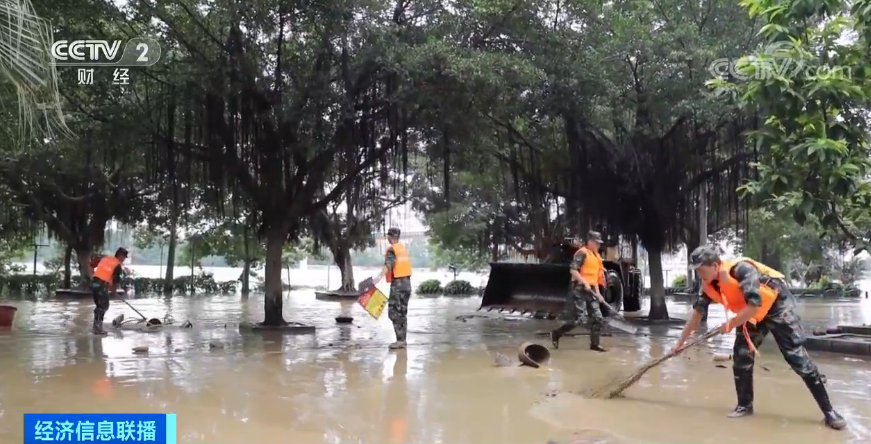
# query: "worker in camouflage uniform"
{"points": [[107, 276], [588, 275], [762, 304], [397, 268]]}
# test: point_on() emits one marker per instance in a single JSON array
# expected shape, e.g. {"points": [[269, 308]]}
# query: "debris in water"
{"points": [[118, 320], [533, 355], [722, 357], [215, 344], [503, 361], [465, 318], [140, 349], [187, 324], [588, 437], [720, 366]]}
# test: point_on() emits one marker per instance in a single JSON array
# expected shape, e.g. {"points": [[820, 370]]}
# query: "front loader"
{"points": [[543, 289]]}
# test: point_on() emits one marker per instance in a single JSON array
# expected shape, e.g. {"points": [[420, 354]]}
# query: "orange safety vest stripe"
{"points": [[402, 266], [106, 269], [593, 269], [732, 297]]}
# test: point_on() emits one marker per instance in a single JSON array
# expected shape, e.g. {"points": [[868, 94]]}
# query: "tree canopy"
{"points": [[276, 128]]}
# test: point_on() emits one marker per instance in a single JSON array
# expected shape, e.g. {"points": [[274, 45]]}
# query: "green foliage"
{"points": [[296, 252], [679, 281], [430, 286], [12, 246], [777, 240], [44, 284], [813, 160], [464, 258], [28, 284], [203, 283], [459, 287]]}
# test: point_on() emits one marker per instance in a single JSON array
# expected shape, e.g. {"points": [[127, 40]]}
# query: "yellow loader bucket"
{"points": [[527, 288]]}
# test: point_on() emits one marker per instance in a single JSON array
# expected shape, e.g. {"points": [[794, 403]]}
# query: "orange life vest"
{"points": [[402, 266], [731, 297], [106, 269], [592, 270]]}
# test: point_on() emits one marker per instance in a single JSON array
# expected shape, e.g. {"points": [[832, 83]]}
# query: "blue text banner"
{"points": [[102, 428]]}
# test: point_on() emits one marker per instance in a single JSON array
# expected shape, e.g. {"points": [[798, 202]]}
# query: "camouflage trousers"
{"points": [[397, 308], [101, 302], [783, 324], [584, 308]]}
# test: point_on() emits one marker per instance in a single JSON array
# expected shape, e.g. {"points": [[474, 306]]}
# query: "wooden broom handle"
{"points": [[710, 334]]}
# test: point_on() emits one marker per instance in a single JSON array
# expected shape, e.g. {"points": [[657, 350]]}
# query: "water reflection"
{"points": [[343, 385]]}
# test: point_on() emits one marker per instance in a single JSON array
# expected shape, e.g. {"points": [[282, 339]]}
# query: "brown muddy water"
{"points": [[342, 385]]}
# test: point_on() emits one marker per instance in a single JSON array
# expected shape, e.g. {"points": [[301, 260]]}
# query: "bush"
{"points": [[47, 283], [839, 290], [429, 286], [679, 281], [28, 284], [459, 287]]}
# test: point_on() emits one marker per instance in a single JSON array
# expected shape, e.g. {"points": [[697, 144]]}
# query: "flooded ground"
{"points": [[343, 385]]}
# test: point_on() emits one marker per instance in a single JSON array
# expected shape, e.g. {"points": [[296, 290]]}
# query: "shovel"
{"points": [[617, 321], [124, 300]]}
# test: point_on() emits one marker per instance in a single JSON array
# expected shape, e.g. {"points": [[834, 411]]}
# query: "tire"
{"points": [[613, 293]]}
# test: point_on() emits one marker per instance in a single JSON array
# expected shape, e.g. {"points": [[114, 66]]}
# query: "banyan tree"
{"points": [[644, 185], [286, 107], [351, 222], [72, 198]]}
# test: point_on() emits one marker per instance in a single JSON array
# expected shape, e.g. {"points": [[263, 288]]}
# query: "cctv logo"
{"points": [[85, 52]]}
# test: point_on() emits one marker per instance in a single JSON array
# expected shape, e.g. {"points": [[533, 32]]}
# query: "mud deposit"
{"points": [[342, 384]]}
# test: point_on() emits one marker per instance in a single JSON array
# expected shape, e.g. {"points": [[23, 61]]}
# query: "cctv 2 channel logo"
{"points": [[139, 51]]}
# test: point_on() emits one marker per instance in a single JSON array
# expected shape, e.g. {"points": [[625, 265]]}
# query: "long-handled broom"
{"points": [[617, 387]]}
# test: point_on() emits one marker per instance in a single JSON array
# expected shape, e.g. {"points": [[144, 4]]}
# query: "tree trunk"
{"points": [[273, 303], [68, 257], [342, 258], [83, 257], [246, 274], [770, 256], [658, 308], [170, 251]]}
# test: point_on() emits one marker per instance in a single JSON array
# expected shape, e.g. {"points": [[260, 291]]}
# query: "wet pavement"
{"points": [[342, 385]]}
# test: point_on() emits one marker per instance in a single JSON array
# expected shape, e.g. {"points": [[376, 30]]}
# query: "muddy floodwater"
{"points": [[342, 384]]}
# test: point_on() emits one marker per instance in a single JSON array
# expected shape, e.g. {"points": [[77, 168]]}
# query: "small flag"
{"points": [[373, 301]]}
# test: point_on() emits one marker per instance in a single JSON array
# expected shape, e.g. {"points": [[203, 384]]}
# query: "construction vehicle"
{"points": [[542, 289]]}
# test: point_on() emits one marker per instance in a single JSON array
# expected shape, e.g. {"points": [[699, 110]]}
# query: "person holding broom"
{"points": [[397, 268], [588, 274], [762, 304], [107, 275]]}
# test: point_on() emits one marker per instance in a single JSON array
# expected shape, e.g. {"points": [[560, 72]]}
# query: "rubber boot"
{"points": [[594, 342], [554, 339], [558, 333], [818, 389], [98, 322], [399, 327], [744, 389]]}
